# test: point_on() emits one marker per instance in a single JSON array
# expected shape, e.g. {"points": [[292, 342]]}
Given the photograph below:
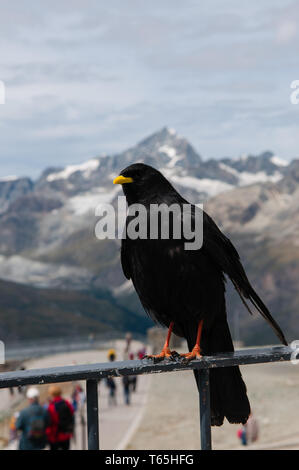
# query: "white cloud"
{"points": [[89, 76], [286, 32]]}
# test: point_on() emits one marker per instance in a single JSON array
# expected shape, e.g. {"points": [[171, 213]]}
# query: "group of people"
{"points": [[129, 386], [129, 383], [41, 426], [52, 425]]}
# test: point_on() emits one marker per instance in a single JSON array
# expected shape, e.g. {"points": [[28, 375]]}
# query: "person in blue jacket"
{"points": [[32, 422]]}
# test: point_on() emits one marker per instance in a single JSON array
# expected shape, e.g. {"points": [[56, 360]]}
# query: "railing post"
{"points": [[92, 414], [205, 410]]}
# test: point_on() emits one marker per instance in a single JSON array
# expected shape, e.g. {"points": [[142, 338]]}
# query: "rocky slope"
{"points": [[28, 313], [263, 222]]}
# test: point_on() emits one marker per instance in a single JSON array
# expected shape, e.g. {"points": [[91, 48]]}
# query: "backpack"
{"points": [[65, 417], [37, 428]]}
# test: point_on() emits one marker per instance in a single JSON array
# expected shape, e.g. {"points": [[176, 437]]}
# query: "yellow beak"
{"points": [[122, 180]]}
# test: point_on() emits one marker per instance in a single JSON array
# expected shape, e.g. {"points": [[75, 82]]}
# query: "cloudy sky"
{"points": [[87, 77]]}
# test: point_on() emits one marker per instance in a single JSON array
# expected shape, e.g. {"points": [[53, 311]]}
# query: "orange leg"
{"points": [[195, 353], [166, 350]]}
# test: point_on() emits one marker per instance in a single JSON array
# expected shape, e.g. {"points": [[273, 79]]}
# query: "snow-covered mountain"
{"points": [[262, 220], [47, 226], [47, 235], [178, 161]]}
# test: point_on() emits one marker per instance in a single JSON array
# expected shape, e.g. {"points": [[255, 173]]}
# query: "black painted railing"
{"points": [[91, 373]]}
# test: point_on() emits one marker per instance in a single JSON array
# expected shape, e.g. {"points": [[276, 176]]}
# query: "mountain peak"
{"points": [[171, 131], [161, 136], [165, 148]]}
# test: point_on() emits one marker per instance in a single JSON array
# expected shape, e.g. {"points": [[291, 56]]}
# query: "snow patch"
{"points": [[229, 169], [279, 161], [171, 153], [245, 178], [8, 178], [87, 202], [86, 168], [171, 131], [206, 185]]}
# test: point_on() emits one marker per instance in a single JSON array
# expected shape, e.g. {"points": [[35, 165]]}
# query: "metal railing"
{"points": [[91, 373]]}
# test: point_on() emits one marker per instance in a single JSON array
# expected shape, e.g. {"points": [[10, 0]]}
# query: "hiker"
{"points": [[61, 427], [133, 378], [32, 422], [21, 388], [252, 429], [111, 355], [133, 383], [141, 353], [249, 432], [126, 387], [110, 382], [128, 339], [78, 397], [242, 435], [13, 432]]}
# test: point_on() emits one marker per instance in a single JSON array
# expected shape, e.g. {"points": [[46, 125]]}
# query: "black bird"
{"points": [[184, 290]]}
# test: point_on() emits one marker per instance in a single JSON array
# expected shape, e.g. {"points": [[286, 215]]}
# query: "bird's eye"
{"points": [[135, 175]]}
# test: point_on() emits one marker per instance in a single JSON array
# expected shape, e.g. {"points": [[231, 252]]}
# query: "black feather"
{"points": [[187, 286]]}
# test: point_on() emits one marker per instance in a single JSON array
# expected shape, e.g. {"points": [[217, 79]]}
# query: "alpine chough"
{"points": [[184, 290]]}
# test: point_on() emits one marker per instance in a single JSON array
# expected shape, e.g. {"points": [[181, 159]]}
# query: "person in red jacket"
{"points": [[61, 427]]}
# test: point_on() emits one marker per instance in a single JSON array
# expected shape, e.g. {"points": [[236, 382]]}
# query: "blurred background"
{"points": [[201, 91]]}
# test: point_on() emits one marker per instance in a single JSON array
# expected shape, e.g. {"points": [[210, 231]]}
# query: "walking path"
{"points": [[164, 413], [171, 417], [116, 423]]}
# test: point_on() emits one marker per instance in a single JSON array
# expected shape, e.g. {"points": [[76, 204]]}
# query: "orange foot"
{"points": [[194, 354], [166, 353]]}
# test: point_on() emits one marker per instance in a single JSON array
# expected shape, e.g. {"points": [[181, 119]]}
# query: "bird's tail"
{"points": [[228, 395]]}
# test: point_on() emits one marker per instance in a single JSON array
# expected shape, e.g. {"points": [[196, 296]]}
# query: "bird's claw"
{"points": [[187, 360], [165, 354], [190, 356]]}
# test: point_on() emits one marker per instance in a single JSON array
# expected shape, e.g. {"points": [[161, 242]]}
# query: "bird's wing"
{"points": [[125, 258], [220, 249]]}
